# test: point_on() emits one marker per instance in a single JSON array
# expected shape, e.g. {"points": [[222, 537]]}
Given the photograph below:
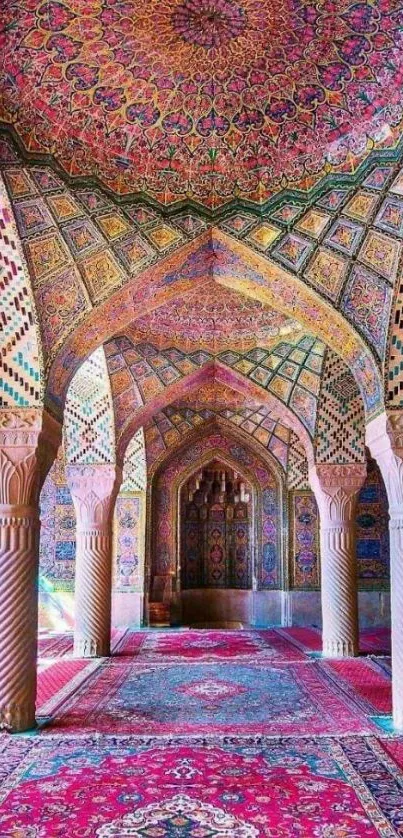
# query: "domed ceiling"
{"points": [[203, 100]]}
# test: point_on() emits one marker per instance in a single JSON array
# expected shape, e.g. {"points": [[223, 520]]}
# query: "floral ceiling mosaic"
{"points": [[206, 101]]}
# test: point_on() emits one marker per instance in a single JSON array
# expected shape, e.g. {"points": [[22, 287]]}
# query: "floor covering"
{"points": [[207, 733]]}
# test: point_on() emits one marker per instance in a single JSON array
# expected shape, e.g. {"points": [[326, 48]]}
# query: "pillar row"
{"points": [[29, 440], [384, 438], [94, 489], [336, 489]]}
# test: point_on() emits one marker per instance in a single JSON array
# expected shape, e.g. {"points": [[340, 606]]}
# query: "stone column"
{"points": [[384, 438], [94, 489], [336, 488], [29, 439]]}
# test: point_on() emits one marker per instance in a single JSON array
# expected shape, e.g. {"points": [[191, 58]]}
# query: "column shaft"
{"points": [[336, 488], [94, 490], [28, 445], [385, 440]]}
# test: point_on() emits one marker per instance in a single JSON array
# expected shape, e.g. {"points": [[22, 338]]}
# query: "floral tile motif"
{"points": [[381, 254], [61, 300], [345, 235], [135, 252], [286, 214], [101, 275], [264, 235], [293, 251], [238, 223], [327, 272], [279, 449], [378, 177], [19, 183], [333, 199], [390, 217], [298, 356], [261, 376], [366, 301], [140, 214], [45, 179], [113, 225], [46, 255], [230, 358], [310, 381], [63, 207], [93, 200], [304, 405], [289, 370], [397, 185], [163, 237], [244, 366], [189, 224], [281, 387], [81, 236], [361, 206], [313, 223], [32, 217]]}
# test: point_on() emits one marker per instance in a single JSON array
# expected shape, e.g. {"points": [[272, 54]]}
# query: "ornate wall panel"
{"points": [[135, 466], [372, 521], [58, 529], [304, 541], [129, 526]]}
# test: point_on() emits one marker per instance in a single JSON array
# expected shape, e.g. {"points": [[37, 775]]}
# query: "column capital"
{"points": [[93, 489], [336, 487], [384, 437], [29, 439]]}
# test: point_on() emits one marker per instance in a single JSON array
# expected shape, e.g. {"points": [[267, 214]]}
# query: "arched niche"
{"points": [[167, 602]]}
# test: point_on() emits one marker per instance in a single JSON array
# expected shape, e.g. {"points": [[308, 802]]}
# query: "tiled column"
{"points": [[29, 440], [385, 441], [336, 488], [94, 489]]}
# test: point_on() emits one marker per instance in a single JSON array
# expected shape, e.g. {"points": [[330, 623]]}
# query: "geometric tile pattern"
{"points": [[20, 361], [340, 427], [89, 430], [394, 394], [297, 470], [173, 423], [135, 466], [291, 371]]}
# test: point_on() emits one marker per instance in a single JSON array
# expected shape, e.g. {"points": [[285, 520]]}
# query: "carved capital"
{"points": [[384, 437], [93, 489], [29, 439], [336, 488]]}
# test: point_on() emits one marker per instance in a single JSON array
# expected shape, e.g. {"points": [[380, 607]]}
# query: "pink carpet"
{"points": [[201, 645], [363, 682]]}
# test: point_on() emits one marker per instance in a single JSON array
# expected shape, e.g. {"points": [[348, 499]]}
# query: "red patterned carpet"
{"points": [[206, 734]]}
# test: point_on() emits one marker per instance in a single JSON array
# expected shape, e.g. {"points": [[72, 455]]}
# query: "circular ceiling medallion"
{"points": [[209, 23]]}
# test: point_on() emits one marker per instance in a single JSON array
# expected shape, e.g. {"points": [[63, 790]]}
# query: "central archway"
{"points": [[260, 572]]}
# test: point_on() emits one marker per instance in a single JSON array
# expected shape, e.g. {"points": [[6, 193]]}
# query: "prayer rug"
{"points": [[363, 681], [305, 638], [193, 645], [375, 641], [128, 696], [100, 787], [57, 680], [54, 645]]}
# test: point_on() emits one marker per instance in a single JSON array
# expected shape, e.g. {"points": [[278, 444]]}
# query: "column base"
{"points": [[339, 649], [91, 647], [17, 718]]}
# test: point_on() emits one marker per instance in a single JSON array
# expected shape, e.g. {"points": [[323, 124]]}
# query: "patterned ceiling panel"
{"points": [[291, 372], [173, 423], [208, 103], [89, 430], [340, 424], [21, 383]]}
